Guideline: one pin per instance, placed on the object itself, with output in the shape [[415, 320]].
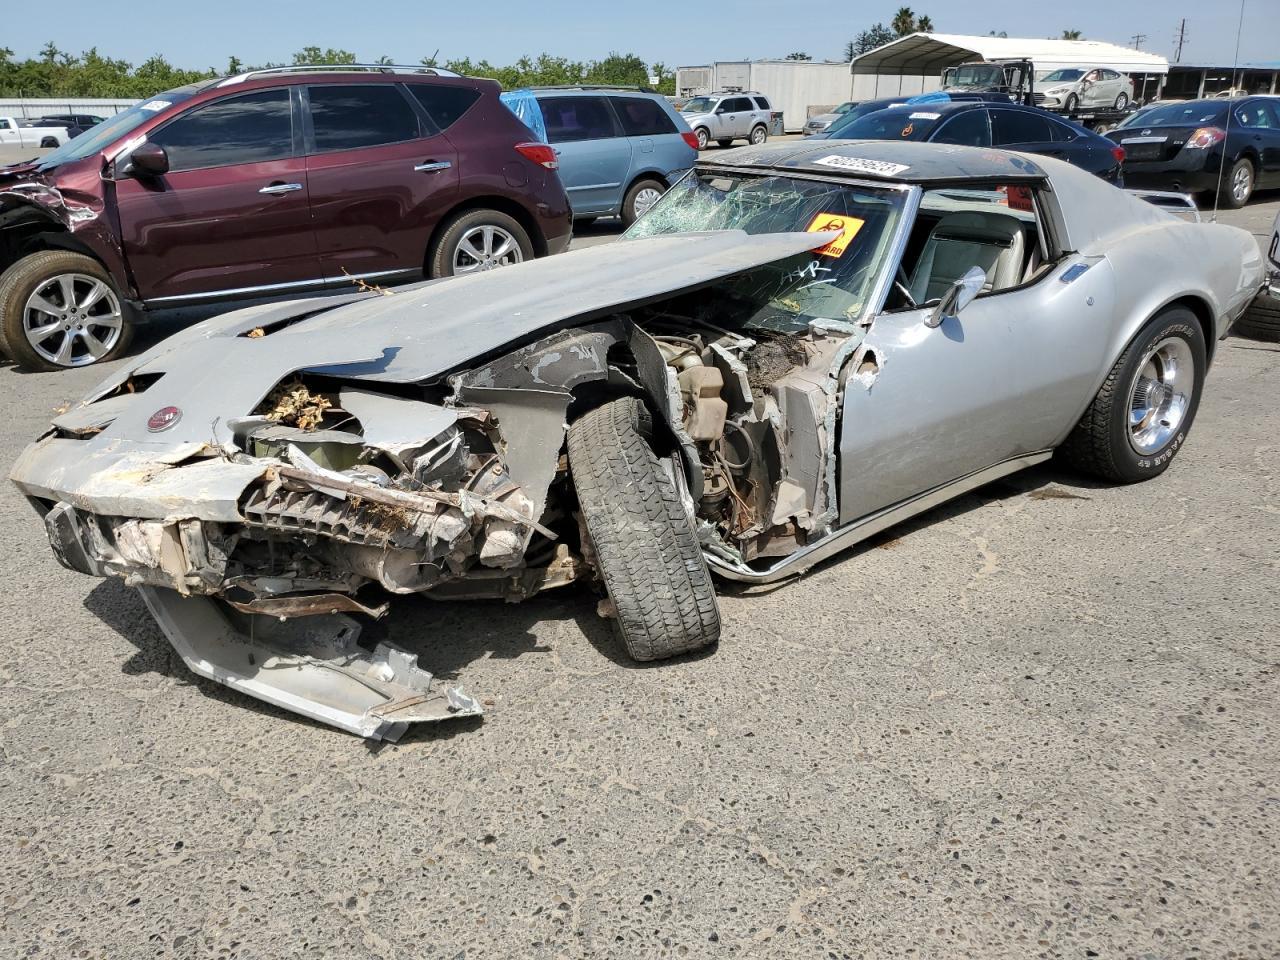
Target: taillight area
[[1204, 138], [1118, 153], [691, 139], [539, 153]]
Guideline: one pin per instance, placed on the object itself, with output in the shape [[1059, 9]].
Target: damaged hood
[[215, 371]]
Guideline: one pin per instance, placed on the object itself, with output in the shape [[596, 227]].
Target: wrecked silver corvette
[[772, 366]]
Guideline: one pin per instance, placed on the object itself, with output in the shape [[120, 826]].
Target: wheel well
[[24, 231], [1204, 316], [503, 205]]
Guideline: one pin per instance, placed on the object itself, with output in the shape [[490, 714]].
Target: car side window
[[1063, 132], [761, 103], [251, 128], [360, 115], [577, 118], [444, 105], [642, 117], [4, 125], [970, 128], [1009, 127], [1254, 115]]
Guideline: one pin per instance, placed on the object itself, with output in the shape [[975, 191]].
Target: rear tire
[[450, 258], [1262, 320], [1110, 441], [645, 548], [759, 134], [47, 142], [1122, 101], [724, 144], [105, 325], [640, 198], [1238, 188]]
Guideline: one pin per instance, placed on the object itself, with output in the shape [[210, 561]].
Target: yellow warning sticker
[[825, 222]]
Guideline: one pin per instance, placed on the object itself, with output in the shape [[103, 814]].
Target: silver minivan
[[726, 117]]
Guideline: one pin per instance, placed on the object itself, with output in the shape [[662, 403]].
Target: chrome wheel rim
[[1241, 182], [702, 139], [645, 199], [757, 135], [1161, 395], [485, 247], [72, 320]]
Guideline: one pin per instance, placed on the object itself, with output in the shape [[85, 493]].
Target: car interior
[[996, 230]]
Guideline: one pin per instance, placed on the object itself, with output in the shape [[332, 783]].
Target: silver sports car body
[[799, 345]]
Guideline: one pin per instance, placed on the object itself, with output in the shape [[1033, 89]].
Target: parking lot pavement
[[1039, 721]]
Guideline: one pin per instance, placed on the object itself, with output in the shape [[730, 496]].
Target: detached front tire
[[1140, 417], [644, 543], [1262, 320], [60, 309]]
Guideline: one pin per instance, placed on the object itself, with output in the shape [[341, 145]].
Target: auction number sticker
[[883, 167], [827, 222]]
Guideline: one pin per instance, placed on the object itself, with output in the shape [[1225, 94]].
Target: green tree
[[877, 35], [904, 21], [798, 55], [316, 55], [924, 24], [1072, 35], [664, 77], [624, 70]]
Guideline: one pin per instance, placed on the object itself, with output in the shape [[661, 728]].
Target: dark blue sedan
[[987, 124]]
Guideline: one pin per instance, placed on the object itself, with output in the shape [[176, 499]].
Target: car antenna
[[1226, 133]]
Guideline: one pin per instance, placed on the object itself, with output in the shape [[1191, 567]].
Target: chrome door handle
[[431, 166], [276, 188]]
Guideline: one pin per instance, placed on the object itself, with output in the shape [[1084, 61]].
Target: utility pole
[[1182, 38], [1137, 39]]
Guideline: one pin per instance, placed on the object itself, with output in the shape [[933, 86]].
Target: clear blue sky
[[204, 34]]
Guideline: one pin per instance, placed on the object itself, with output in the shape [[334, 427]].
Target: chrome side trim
[[273, 288], [870, 525]]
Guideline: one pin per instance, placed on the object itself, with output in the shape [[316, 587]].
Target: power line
[[1182, 38]]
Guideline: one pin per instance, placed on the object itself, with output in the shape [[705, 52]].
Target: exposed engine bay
[[463, 489]]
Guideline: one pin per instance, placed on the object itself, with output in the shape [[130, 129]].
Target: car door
[[8, 132], [971, 128], [380, 178], [653, 135], [737, 117], [231, 213], [1025, 130], [1004, 378], [1262, 120], [594, 155]]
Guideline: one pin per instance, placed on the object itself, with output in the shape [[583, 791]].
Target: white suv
[[726, 117]]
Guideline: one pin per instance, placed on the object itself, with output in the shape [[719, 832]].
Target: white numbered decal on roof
[[882, 167], [925, 116], [156, 105]]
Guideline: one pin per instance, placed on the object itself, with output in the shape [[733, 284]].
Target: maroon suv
[[269, 183]]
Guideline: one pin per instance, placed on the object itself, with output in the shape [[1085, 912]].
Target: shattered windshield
[[699, 105], [112, 129], [835, 282]]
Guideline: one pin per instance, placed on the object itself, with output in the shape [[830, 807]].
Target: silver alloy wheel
[[1160, 395], [485, 247], [757, 135], [1242, 183], [703, 138], [645, 199], [72, 320]]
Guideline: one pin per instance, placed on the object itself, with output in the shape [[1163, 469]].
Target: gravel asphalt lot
[[1039, 721]]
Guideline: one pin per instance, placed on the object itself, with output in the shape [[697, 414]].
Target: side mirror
[[148, 160], [958, 296]]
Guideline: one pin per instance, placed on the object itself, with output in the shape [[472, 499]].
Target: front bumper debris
[[311, 665]]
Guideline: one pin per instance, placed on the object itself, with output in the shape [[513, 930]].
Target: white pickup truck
[[13, 135]]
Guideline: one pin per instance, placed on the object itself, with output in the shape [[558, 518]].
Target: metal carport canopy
[[926, 53]]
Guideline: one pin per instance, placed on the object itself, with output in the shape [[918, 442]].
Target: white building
[[795, 87], [914, 63]]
